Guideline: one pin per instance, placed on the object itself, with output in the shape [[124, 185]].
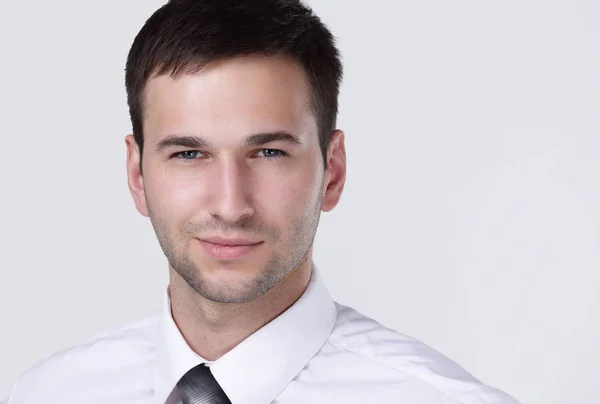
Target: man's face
[[253, 180]]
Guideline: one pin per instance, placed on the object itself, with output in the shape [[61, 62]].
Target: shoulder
[[107, 356], [407, 359]]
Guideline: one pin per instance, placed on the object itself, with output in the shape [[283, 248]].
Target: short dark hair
[[184, 35]]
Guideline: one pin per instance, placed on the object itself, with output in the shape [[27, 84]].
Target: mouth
[[228, 249]]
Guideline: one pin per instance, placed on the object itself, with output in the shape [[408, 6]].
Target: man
[[233, 156]]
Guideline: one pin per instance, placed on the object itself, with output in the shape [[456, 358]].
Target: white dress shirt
[[317, 351]]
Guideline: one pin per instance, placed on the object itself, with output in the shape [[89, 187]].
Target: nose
[[231, 200]]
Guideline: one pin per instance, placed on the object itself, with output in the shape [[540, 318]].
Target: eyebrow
[[198, 142]]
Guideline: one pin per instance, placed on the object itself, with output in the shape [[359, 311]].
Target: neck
[[212, 329]]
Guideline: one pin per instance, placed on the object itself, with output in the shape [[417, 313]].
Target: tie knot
[[199, 386]]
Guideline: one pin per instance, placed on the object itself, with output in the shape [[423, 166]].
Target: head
[[233, 107]]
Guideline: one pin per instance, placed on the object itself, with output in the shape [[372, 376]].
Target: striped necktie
[[199, 386]]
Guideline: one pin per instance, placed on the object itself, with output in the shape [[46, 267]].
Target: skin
[[230, 188]]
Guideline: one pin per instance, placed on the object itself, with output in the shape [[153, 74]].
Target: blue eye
[[190, 155], [187, 155], [272, 153]]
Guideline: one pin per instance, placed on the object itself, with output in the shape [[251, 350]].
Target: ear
[[335, 176], [134, 175]]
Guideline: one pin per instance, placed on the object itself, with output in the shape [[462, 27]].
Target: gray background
[[470, 218]]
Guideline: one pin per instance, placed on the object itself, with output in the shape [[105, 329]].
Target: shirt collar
[[262, 365]]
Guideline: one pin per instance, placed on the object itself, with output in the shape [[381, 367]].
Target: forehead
[[233, 96]]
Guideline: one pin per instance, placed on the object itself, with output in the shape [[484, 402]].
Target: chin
[[232, 292], [232, 282]]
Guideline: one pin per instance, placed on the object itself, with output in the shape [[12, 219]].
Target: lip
[[232, 241], [228, 248]]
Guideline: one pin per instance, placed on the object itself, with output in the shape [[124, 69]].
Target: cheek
[[174, 198], [287, 198]]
